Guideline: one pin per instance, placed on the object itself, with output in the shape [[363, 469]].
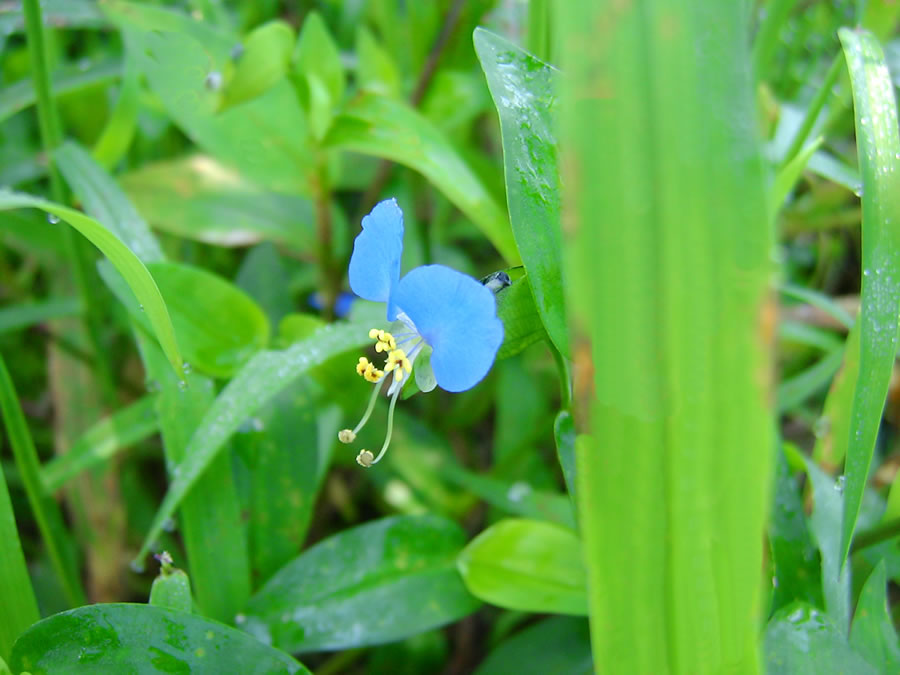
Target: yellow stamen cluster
[[365, 458], [368, 370], [384, 342], [397, 362]]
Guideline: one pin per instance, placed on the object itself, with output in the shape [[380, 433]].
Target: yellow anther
[[365, 458], [398, 374], [372, 374], [373, 334], [346, 436], [362, 365]]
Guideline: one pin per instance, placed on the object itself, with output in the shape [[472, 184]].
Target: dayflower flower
[[446, 320]]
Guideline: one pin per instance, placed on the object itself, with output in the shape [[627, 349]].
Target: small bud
[[365, 458], [346, 436]]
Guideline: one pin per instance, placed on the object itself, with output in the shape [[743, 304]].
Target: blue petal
[[457, 316], [375, 263]]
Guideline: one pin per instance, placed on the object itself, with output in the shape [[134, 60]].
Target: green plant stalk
[[539, 35], [51, 136], [766, 42], [669, 252], [19, 605], [565, 377], [815, 107], [45, 510], [329, 279]]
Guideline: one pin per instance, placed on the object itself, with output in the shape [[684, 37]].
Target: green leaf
[[20, 608], [21, 95], [878, 148], [828, 498], [522, 325], [121, 126], [375, 69], [125, 427], [802, 640], [528, 565], [264, 139], [116, 638], [124, 260], [218, 326], [796, 573], [383, 127], [45, 510], [171, 589], [668, 276], [517, 498], [872, 633], [62, 13], [259, 381], [561, 644], [262, 63], [371, 584], [564, 433], [317, 54], [263, 276], [21, 316], [104, 200], [525, 94], [286, 448], [198, 198], [833, 427]]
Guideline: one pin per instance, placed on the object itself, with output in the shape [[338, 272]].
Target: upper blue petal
[[457, 316], [375, 263]]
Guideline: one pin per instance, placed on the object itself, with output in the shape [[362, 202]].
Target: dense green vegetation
[[660, 435]]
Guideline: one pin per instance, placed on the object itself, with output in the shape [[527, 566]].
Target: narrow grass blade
[[21, 95], [46, 512], [119, 131], [669, 255], [105, 201], [210, 516], [795, 390], [128, 264], [19, 605], [872, 633], [878, 149], [21, 316], [259, 381], [125, 427]]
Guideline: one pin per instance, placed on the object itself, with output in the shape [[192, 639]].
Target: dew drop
[[240, 618], [182, 385], [839, 484], [186, 368], [52, 218], [137, 566], [168, 525], [141, 307]]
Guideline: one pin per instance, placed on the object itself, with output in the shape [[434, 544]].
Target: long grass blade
[[19, 604], [878, 149], [670, 257], [45, 510]]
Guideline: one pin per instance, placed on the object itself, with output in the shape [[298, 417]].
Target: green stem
[[51, 136], [539, 29], [883, 532], [329, 281], [815, 107], [565, 378]]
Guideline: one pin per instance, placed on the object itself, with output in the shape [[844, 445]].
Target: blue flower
[[448, 319]]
